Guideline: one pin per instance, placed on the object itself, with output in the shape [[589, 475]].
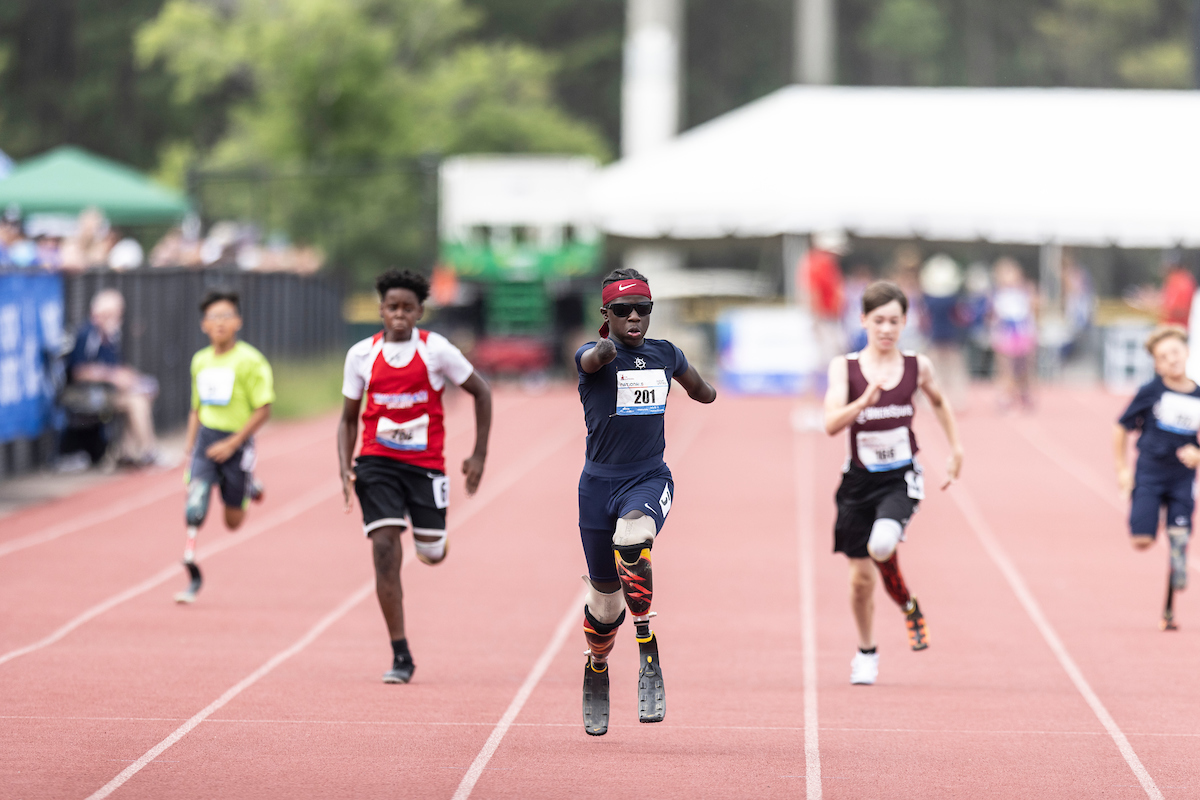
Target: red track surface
[[288, 621]]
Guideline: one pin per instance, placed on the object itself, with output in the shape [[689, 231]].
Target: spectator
[[125, 252], [821, 275], [1014, 333], [1175, 304], [905, 273], [859, 278], [941, 280], [97, 358]]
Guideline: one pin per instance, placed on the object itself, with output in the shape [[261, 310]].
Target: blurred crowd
[[90, 241], [981, 318]]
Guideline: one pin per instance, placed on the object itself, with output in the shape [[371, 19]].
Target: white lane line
[[565, 626], [1079, 470], [1000, 558], [497, 488], [803, 460], [239, 687], [174, 572], [172, 486]]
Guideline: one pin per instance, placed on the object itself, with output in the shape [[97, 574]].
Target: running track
[[1047, 676]]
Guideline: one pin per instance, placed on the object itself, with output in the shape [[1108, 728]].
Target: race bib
[[880, 451], [641, 392], [1178, 413], [441, 490], [408, 436], [215, 386]]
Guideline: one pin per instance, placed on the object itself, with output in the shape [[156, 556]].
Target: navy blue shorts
[[233, 476], [1151, 492], [602, 501]]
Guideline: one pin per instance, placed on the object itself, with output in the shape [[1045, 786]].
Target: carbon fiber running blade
[[595, 700], [188, 595], [652, 694]]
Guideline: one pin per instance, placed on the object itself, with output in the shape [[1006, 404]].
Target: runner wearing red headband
[[626, 490]]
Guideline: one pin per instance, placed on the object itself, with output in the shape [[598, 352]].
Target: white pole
[[814, 58], [650, 88]]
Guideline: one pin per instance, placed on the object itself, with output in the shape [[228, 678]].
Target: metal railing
[[285, 315]]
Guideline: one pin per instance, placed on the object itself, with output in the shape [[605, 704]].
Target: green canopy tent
[[68, 180]]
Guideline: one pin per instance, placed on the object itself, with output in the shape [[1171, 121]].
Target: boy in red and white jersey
[[401, 470]]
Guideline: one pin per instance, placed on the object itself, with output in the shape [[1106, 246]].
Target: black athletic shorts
[[388, 490], [866, 496], [233, 475]]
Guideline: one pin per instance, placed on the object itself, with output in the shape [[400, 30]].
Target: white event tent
[[1036, 166]]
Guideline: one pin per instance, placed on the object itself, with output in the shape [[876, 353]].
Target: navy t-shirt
[[1167, 420], [623, 405], [93, 347]]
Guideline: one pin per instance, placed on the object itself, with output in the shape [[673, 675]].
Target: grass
[[306, 388]]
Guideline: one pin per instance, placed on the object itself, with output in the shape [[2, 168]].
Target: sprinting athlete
[[232, 393], [401, 471], [1166, 412], [871, 392], [626, 490]]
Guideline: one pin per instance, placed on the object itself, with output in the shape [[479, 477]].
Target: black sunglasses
[[623, 309]]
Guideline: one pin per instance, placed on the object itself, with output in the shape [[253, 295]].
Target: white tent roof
[[1086, 167]]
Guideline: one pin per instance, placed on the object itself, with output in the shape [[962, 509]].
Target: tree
[[344, 94]]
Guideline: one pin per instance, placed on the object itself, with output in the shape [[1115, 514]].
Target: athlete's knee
[[234, 517], [862, 575], [385, 549], [607, 608], [197, 502], [633, 534], [1141, 541], [430, 544], [885, 537]]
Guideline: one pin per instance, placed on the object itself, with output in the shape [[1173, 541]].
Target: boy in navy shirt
[[1166, 412], [626, 489]]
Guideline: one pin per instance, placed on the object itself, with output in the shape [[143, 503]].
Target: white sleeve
[[354, 380], [448, 359]]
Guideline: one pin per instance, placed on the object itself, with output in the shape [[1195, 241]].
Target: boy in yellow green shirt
[[232, 392]]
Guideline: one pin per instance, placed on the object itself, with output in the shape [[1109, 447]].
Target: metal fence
[[286, 316]]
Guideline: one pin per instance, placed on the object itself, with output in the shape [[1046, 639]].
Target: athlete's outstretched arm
[[838, 411], [347, 437], [603, 353], [473, 466], [927, 381], [697, 388]]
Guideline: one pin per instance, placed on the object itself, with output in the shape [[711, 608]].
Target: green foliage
[[307, 388], [338, 93], [912, 33]]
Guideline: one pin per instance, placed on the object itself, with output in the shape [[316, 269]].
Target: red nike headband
[[625, 288]]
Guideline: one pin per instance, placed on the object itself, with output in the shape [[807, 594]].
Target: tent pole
[[814, 47]]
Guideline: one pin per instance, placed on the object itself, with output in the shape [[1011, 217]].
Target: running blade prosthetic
[[652, 695], [918, 634], [188, 595], [595, 699]]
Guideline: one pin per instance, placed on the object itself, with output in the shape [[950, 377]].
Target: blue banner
[[31, 315]]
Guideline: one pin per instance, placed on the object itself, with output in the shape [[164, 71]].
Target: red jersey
[[881, 437], [1177, 292], [403, 417]]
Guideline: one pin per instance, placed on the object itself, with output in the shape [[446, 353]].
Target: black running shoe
[[652, 695], [401, 671], [595, 699], [918, 634], [1167, 623]]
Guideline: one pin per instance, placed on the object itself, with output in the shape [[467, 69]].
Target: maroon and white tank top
[[881, 437]]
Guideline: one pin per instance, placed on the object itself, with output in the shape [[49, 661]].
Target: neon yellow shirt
[[228, 388]]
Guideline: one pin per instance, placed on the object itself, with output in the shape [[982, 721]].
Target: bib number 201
[[641, 392]]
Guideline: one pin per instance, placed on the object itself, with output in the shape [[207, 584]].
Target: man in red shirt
[[400, 471], [1178, 289], [821, 275]]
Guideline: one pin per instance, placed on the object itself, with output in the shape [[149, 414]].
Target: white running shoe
[[864, 668]]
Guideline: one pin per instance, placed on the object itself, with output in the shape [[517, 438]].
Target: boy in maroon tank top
[[871, 393], [400, 474]]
